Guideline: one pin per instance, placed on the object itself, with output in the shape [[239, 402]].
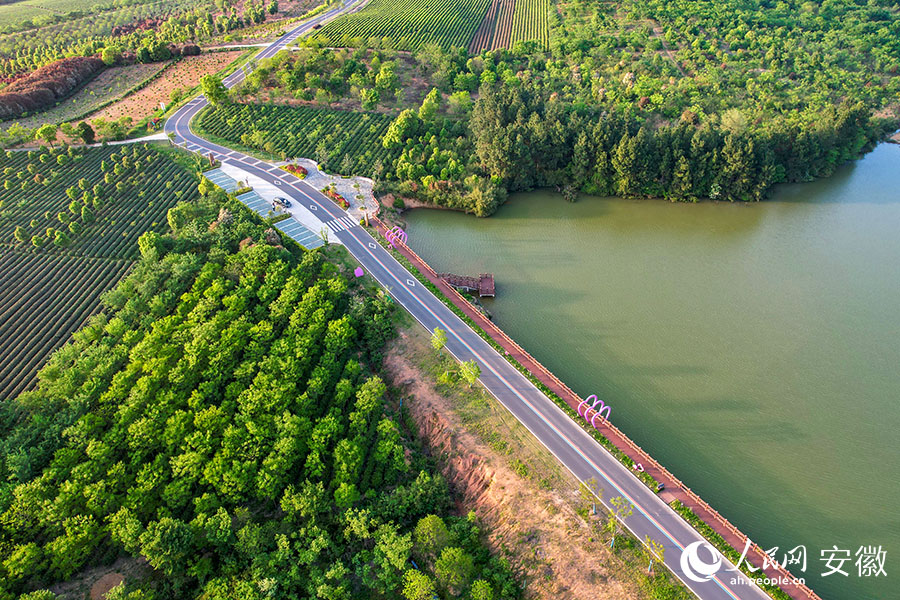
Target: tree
[[417, 586], [481, 590], [653, 551], [438, 339], [386, 80], [734, 121], [85, 132], [460, 102], [345, 495], [20, 234], [370, 98], [470, 372], [346, 165], [454, 569], [39, 595], [87, 215], [69, 551], [150, 244], [431, 535], [61, 239], [205, 187], [621, 510], [273, 7], [591, 492], [110, 55], [167, 543], [214, 90], [25, 561], [430, 106], [46, 132], [143, 55]]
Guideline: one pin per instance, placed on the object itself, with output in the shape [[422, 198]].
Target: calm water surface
[[752, 349]]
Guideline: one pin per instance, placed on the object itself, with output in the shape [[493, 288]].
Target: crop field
[[531, 22], [108, 85], [495, 29], [40, 45], [183, 75], [42, 301], [69, 224], [14, 14], [408, 24], [342, 142], [124, 194]]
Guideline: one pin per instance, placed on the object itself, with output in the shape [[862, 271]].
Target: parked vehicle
[[283, 202]]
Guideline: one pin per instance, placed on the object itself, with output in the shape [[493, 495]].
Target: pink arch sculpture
[[396, 235], [600, 409]]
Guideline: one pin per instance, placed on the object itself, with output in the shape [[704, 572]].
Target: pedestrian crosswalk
[[341, 224]]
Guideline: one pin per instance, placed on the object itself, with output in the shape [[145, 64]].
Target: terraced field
[[342, 142], [107, 86], [69, 225], [408, 24], [183, 75]]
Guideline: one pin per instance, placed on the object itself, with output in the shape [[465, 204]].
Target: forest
[[223, 418], [684, 102]]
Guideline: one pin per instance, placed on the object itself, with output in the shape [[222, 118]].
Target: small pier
[[483, 284]]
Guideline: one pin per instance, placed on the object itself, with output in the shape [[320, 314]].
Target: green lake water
[[753, 349]]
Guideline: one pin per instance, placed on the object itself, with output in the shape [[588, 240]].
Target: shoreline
[[675, 489]]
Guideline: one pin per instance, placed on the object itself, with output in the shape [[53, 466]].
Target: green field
[[531, 22], [79, 226], [12, 14], [47, 297], [408, 24], [341, 141]]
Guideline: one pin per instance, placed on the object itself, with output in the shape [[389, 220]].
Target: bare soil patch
[[96, 582], [551, 547], [183, 75]]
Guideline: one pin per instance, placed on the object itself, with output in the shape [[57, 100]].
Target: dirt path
[[657, 33], [551, 548]]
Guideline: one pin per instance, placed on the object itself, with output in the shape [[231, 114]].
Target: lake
[[753, 349]]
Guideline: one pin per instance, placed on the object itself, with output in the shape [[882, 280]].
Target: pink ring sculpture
[[600, 409], [396, 235]]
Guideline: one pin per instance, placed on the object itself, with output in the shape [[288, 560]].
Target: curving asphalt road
[[571, 445]]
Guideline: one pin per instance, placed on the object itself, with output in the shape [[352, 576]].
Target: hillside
[[223, 418]]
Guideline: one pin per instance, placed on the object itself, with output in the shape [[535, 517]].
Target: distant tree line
[[526, 140]]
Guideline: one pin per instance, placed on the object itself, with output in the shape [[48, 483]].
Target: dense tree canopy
[[222, 419]]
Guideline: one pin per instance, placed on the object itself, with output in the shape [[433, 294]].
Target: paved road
[[574, 448]]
